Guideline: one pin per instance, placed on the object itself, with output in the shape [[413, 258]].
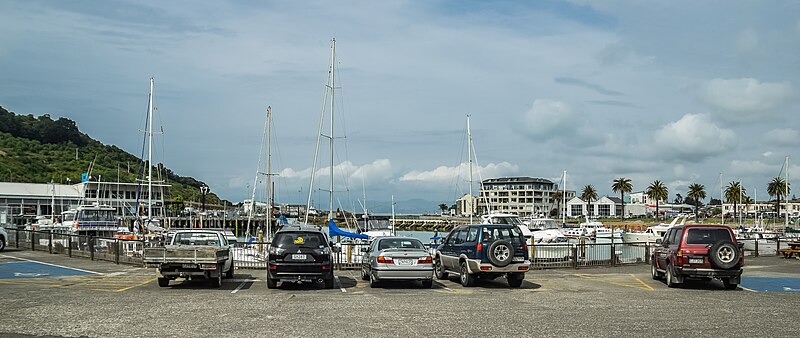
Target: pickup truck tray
[[186, 254]]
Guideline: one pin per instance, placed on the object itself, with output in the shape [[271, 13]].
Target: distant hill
[[40, 149]]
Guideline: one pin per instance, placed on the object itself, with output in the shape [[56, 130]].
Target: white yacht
[[546, 231], [593, 229], [652, 233]]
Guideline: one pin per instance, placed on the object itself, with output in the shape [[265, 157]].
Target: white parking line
[[241, 285], [340, 284], [56, 265], [746, 289]]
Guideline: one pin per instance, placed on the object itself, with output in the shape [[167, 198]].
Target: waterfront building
[[523, 196], [23, 202], [466, 205], [604, 207]]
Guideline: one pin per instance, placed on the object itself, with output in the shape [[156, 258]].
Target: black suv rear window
[[509, 234], [707, 236], [299, 239]]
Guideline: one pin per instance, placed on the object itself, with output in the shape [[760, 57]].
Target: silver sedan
[[397, 258]]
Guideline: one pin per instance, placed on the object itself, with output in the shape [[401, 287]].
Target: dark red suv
[[698, 251]]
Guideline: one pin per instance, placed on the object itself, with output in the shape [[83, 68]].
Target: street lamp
[[203, 191]]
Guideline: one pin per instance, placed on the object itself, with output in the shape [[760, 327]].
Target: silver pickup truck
[[192, 254]]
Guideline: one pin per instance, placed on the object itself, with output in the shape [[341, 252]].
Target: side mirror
[[364, 249], [658, 241]]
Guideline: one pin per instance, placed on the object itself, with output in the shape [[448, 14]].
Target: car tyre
[[2, 243], [364, 274], [229, 273], [656, 275], [515, 279], [670, 280], [373, 282], [329, 283], [439, 269], [729, 285], [724, 254], [217, 281], [163, 282], [467, 280], [427, 284], [272, 283], [500, 253]]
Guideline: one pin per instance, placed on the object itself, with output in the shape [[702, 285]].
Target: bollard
[[50, 242], [647, 253], [33, 241], [778, 246], [116, 250], [756, 253], [69, 245], [91, 247], [16, 240], [574, 257], [613, 255]]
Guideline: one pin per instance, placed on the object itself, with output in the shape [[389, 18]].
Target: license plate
[[519, 259], [299, 257], [189, 266], [405, 261], [695, 261]]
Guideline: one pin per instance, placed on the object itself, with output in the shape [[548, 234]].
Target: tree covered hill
[[40, 150]]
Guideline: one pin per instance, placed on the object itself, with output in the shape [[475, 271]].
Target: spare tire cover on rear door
[[724, 254], [500, 253]]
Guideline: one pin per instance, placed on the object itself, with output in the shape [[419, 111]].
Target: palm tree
[[589, 194], [778, 188], [557, 196], [698, 193], [622, 185], [443, 207], [733, 194], [657, 191]]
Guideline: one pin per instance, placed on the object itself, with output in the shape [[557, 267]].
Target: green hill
[[40, 150]]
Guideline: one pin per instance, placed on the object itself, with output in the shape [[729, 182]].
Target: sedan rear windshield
[[707, 236], [299, 239], [400, 243]]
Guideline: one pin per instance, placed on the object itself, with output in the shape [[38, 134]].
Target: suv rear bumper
[[299, 272], [476, 266], [709, 273]]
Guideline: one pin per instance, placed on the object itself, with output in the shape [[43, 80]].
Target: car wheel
[[373, 282], [427, 284], [728, 285], [329, 283], [515, 279], [217, 281], [229, 273], [2, 243], [656, 274], [500, 253], [466, 279], [724, 254], [671, 277], [439, 269], [163, 282], [364, 274], [272, 283]]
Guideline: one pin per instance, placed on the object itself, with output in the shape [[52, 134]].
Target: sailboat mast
[[786, 192], [333, 90], [150, 154], [469, 154], [564, 199], [269, 172]]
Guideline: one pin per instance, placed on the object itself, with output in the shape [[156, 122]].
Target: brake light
[[273, 267], [523, 268], [525, 246], [385, 260], [479, 247], [679, 260], [486, 268], [425, 260], [77, 224], [325, 267]]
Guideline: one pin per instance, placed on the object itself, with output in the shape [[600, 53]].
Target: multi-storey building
[[524, 196]]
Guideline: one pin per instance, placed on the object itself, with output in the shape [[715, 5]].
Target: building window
[[604, 210], [576, 210]]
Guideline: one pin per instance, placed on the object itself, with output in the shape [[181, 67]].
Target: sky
[[680, 91]]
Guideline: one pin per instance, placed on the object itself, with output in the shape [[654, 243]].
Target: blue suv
[[483, 251]]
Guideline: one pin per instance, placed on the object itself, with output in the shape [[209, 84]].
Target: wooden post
[[574, 257], [647, 253], [33, 240], [756, 253], [16, 238], [50, 242], [91, 247], [69, 245], [116, 250]]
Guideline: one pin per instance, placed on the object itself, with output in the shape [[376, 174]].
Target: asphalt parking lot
[[53, 295]]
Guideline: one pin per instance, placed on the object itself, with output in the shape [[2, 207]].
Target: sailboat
[[149, 223], [328, 101], [266, 136]]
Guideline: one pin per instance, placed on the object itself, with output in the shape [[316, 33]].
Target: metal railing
[[575, 255], [116, 250]]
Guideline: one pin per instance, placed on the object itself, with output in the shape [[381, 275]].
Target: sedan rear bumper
[[404, 274]]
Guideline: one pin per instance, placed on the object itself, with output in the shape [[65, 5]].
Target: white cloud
[[747, 42], [547, 118], [694, 137], [379, 171], [444, 174], [745, 99], [784, 137], [752, 168]]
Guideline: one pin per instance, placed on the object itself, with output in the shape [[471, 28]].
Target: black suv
[[300, 254], [484, 251], [698, 251]]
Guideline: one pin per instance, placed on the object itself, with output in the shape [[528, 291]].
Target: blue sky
[[678, 91]]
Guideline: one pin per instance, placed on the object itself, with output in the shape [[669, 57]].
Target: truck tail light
[[425, 260], [486, 268], [679, 260], [208, 266], [523, 268], [385, 260]]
